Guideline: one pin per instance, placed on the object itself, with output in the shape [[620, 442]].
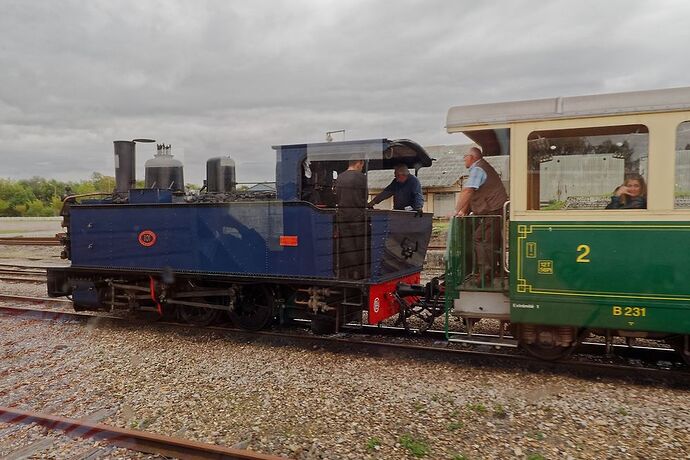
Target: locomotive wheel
[[198, 316], [254, 310], [548, 352], [545, 349], [148, 316]]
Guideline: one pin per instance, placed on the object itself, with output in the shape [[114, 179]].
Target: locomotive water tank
[[220, 174], [163, 171]]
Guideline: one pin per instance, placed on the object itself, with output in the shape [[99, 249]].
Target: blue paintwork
[[150, 195], [233, 238], [239, 238], [288, 170]]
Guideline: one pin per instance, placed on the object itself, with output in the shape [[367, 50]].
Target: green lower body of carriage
[[628, 279]]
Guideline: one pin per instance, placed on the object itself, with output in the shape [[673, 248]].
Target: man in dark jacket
[[483, 194], [405, 189], [351, 198]]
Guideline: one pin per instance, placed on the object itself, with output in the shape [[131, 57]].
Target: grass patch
[[479, 408], [459, 457], [417, 448], [538, 435], [454, 426], [535, 456], [373, 443], [141, 424], [500, 411], [440, 225]]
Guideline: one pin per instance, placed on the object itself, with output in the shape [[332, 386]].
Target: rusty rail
[[30, 241], [140, 441]]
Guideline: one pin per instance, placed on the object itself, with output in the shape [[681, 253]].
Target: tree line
[[39, 197]]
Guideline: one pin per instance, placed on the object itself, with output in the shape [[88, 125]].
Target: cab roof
[[380, 153], [671, 99]]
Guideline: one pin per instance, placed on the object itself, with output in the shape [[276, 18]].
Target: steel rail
[[438, 351], [9, 271], [32, 299], [34, 280], [140, 441], [30, 241], [436, 247]]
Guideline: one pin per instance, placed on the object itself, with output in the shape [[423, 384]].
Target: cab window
[[584, 168]]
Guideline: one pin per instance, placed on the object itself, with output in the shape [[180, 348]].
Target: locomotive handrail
[[504, 252], [80, 195]]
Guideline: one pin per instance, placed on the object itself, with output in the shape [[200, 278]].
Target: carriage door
[[477, 272]]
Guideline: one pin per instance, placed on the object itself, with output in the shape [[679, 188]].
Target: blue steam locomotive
[[255, 255]]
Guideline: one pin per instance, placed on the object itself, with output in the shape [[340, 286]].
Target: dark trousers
[[487, 241], [351, 241]]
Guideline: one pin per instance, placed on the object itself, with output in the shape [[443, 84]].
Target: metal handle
[[503, 234]]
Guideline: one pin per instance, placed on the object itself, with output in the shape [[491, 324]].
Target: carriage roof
[[660, 100]]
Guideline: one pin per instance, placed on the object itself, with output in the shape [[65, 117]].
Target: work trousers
[[487, 242]]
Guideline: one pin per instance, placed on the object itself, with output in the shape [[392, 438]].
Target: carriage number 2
[[629, 311], [583, 249]]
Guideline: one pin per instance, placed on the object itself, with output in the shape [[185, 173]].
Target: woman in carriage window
[[631, 195]]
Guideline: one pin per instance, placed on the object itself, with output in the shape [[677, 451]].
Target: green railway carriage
[[567, 265]]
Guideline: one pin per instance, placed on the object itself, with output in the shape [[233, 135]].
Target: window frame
[[661, 168], [581, 132]]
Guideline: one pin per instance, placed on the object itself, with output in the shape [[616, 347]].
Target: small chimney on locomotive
[[125, 166], [220, 175], [163, 171]]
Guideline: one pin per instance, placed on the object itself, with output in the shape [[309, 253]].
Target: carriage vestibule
[[581, 168]]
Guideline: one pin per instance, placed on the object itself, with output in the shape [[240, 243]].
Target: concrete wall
[[579, 175]]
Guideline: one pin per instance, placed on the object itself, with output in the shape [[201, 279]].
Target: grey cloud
[[219, 77]]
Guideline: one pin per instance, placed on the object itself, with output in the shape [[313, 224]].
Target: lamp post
[[329, 134]]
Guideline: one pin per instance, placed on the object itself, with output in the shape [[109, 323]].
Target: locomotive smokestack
[[220, 175], [125, 166]]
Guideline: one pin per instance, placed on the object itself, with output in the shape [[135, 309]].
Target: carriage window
[[682, 189], [588, 168]]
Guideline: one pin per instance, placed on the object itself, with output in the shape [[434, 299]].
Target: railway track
[[36, 275], [652, 365], [30, 241], [436, 247], [139, 441], [22, 278]]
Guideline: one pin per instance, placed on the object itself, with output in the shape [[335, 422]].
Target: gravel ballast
[[310, 403]]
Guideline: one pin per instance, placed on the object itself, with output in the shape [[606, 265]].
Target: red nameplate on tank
[[288, 240]]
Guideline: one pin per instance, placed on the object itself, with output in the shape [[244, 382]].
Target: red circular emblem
[[147, 238]]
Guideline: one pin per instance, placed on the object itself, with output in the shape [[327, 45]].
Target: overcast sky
[[235, 77]]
